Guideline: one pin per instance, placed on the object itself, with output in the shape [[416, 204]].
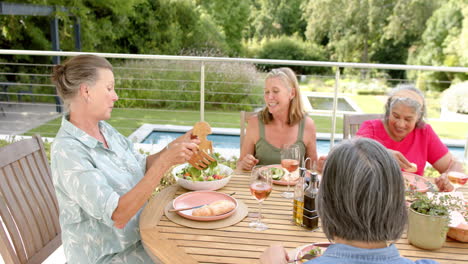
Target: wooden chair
[[28, 205], [352, 122], [244, 116]]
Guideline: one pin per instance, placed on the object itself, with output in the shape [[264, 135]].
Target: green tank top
[[268, 154]]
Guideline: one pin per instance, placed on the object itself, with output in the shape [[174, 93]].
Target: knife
[[193, 207]]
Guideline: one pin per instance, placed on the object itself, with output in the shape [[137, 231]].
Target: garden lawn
[[128, 120]]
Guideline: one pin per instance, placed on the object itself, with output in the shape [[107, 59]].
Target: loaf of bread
[[215, 208]]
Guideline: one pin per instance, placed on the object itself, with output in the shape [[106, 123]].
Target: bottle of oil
[[310, 217], [298, 204]]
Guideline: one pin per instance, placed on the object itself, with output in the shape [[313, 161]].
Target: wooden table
[[172, 243]]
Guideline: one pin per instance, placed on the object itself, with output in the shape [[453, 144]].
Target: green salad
[[276, 173], [211, 173]]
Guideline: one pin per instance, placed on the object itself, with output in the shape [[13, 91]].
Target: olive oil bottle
[[298, 203], [310, 217]]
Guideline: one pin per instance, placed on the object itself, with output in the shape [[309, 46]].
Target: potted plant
[[428, 219]]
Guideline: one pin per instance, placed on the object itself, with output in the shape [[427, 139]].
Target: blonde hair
[[75, 71], [296, 110]]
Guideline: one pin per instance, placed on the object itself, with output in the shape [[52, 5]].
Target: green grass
[[128, 120], [369, 103]]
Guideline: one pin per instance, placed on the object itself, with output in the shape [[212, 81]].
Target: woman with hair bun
[[101, 181]]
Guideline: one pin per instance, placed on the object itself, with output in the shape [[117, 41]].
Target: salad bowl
[[211, 179]]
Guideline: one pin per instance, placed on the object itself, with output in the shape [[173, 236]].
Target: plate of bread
[[205, 205]]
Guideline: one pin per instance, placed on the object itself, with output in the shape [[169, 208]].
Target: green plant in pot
[[428, 219]]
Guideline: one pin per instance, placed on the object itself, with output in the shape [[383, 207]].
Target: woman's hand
[[321, 163], [400, 158], [443, 183], [275, 254], [247, 163], [178, 153]]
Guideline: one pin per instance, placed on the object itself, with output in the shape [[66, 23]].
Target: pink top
[[419, 146]]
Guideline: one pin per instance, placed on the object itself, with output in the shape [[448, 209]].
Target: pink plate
[[280, 182], [196, 198], [305, 249], [417, 183]]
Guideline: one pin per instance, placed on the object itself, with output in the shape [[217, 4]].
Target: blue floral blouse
[[89, 180]]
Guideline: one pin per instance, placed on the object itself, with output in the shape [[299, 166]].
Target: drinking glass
[[290, 161], [260, 188], [457, 173]]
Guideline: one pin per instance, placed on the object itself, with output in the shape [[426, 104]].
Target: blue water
[[233, 141]]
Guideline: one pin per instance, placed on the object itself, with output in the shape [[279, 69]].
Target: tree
[[443, 44], [231, 17], [273, 18], [350, 29]]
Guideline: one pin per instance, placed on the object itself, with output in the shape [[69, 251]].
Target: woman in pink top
[[404, 132]]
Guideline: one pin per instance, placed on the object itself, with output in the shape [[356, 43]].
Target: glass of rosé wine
[[260, 188], [457, 173], [290, 161]]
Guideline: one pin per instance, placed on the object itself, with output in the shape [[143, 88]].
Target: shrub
[[454, 98], [292, 48], [176, 85]]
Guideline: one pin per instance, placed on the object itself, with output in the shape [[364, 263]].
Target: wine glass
[[457, 173], [290, 161], [260, 188]]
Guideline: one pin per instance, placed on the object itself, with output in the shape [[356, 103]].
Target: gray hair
[[416, 106], [68, 76], [362, 196]]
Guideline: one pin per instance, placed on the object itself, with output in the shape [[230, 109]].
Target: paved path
[[18, 118]]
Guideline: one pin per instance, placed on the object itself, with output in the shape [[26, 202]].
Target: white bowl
[[203, 185]]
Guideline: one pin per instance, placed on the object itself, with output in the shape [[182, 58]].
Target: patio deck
[[238, 243]]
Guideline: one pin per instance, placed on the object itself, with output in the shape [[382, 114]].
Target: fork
[[201, 160]]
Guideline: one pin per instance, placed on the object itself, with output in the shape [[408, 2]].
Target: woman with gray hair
[[361, 204], [404, 132]]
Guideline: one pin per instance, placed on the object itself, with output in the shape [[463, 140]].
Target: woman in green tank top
[[282, 121]]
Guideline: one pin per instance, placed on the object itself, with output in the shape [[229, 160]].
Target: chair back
[[352, 122], [244, 116], [30, 231]]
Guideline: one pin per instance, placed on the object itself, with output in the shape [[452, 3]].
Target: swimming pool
[[228, 145]]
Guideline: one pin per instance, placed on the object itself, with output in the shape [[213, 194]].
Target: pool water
[[326, 103], [230, 143], [219, 141]]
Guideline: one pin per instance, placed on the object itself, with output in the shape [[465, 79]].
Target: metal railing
[[27, 83]]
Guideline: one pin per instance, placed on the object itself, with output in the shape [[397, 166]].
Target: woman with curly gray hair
[[361, 204], [404, 132]]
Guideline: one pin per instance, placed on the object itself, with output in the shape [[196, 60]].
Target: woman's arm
[[157, 166], [275, 254], [310, 140], [247, 160], [442, 166]]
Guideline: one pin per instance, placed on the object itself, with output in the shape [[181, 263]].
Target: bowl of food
[[417, 183], [212, 178], [310, 251]]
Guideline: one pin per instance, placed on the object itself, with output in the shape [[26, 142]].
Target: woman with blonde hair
[[282, 121]]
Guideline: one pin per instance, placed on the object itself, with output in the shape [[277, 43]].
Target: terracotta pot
[[427, 231]]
